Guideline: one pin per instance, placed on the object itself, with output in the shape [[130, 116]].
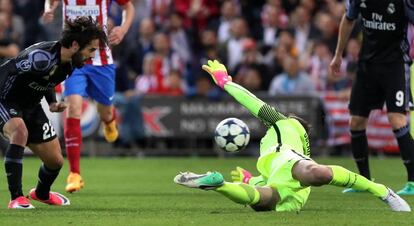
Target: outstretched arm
[[267, 114]]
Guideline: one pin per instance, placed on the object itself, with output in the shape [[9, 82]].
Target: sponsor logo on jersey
[[73, 11], [36, 86], [377, 23]]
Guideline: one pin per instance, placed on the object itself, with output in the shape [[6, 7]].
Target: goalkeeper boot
[[407, 190], [55, 198], [208, 181], [110, 131], [20, 202], [395, 202], [74, 182]]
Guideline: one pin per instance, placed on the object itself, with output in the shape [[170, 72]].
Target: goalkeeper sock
[[240, 193], [342, 177]]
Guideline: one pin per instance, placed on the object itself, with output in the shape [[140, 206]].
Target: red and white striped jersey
[[99, 10]]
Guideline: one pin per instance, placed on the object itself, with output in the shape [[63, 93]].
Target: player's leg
[[14, 128], [260, 198], [74, 90], [51, 155], [309, 173], [102, 89], [397, 96], [359, 144], [42, 140], [362, 98], [406, 145], [108, 117]]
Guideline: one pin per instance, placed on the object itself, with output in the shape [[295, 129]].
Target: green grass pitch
[[126, 191]]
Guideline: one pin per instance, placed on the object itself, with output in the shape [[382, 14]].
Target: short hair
[[306, 125], [82, 30]]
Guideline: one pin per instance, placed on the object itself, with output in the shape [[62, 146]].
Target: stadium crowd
[[280, 47]]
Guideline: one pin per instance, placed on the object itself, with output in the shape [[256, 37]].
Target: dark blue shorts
[[376, 84]]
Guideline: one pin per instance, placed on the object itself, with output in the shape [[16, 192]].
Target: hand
[[48, 15], [240, 175], [57, 107], [116, 36], [218, 72], [335, 65]]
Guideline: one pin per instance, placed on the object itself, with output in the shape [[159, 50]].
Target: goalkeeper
[[286, 169]]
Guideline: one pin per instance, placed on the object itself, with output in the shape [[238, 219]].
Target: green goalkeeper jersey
[[284, 143], [280, 129]]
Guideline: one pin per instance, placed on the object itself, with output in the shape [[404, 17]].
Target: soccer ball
[[232, 135]]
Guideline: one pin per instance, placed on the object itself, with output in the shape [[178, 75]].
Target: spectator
[[16, 25], [179, 38], [174, 84], [8, 48], [318, 67], [232, 50], [160, 10], [253, 80], [133, 53], [229, 11], [292, 80], [305, 31], [326, 24], [271, 26], [196, 13], [252, 60], [166, 58], [274, 60]]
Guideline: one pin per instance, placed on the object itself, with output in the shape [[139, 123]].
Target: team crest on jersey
[[24, 65], [391, 8], [363, 4]]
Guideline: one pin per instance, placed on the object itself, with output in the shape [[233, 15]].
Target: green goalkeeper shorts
[[277, 167]]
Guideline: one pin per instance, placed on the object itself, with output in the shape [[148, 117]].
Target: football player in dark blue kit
[[24, 81], [382, 76]]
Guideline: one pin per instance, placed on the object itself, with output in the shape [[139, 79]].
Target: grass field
[[141, 192]]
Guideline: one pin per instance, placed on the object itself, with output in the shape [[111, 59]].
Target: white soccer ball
[[232, 135]]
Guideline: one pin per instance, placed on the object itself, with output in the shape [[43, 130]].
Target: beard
[[77, 60]]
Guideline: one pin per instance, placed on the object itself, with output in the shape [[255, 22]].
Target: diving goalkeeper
[[285, 167]]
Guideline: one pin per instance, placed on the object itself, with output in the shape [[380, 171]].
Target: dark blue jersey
[[384, 27], [33, 74]]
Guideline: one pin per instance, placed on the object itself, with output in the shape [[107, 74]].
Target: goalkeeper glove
[[218, 72], [240, 175]]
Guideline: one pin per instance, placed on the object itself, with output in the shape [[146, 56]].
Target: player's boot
[[207, 181], [74, 182], [20, 202], [407, 190], [55, 198], [351, 190], [395, 202], [110, 131]]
